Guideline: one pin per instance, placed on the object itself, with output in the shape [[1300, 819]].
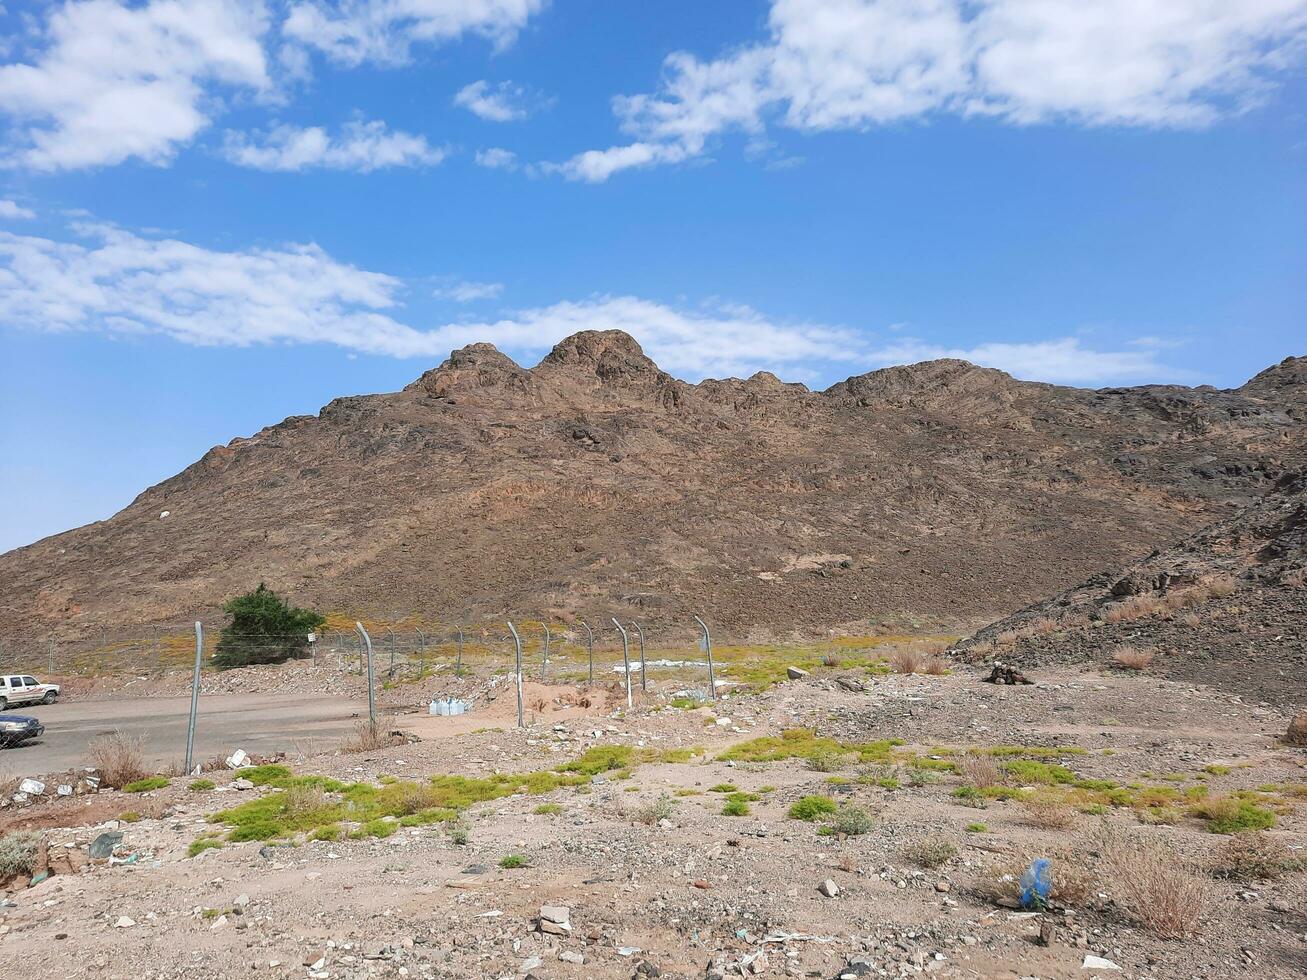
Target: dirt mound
[[1226, 606], [595, 484]]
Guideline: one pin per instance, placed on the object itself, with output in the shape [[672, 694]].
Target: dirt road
[[259, 724]]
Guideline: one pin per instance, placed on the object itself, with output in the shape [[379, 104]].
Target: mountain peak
[[479, 365], [612, 355]]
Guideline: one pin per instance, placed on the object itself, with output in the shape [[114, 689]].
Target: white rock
[[33, 786], [829, 888], [125, 922], [238, 759], [1097, 963]]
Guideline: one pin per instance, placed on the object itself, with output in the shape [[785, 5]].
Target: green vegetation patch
[[201, 785], [812, 808], [803, 743], [145, 785], [202, 844], [511, 861]]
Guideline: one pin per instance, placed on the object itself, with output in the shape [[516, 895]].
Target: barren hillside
[[1226, 606], [595, 483]]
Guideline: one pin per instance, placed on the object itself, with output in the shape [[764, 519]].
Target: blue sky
[[217, 214]]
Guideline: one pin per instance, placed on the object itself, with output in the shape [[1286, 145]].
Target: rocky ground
[[626, 865]]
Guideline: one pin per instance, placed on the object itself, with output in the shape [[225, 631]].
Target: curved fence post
[[517, 643], [590, 645], [644, 681], [544, 664], [372, 694], [707, 648], [195, 694], [626, 660]]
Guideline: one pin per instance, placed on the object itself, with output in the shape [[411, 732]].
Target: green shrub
[[511, 861], [459, 833], [548, 809], [811, 808], [1228, 815], [930, 853], [201, 845], [145, 785], [201, 785], [851, 821], [131, 816], [735, 808], [264, 630], [723, 788], [326, 832], [18, 853], [977, 828], [970, 796]]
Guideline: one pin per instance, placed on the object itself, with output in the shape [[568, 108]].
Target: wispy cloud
[[469, 292], [361, 146], [505, 102], [352, 32], [111, 280], [11, 210], [857, 64], [496, 158]]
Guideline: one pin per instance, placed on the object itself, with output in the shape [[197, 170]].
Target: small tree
[[264, 630]]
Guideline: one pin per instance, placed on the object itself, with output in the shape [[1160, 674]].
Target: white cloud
[[1061, 361], [855, 64], [112, 81], [469, 292], [361, 146], [11, 210], [352, 32], [504, 102], [114, 281], [497, 158]]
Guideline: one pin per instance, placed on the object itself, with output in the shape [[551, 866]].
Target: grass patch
[[812, 808], [201, 845], [512, 861], [803, 743], [1231, 815], [723, 788], [548, 809], [976, 828], [201, 785], [735, 808], [146, 785]]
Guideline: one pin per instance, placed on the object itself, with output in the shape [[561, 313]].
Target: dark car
[[16, 729]]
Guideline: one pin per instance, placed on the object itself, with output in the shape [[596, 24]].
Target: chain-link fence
[[560, 652]]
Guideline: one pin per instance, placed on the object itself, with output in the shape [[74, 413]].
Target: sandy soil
[[700, 894]]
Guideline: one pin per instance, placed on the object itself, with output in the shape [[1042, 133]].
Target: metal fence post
[[391, 631], [195, 694], [372, 694], [158, 666], [50, 653], [644, 683], [458, 656], [422, 656], [626, 660], [707, 648], [544, 664], [590, 644], [517, 643]]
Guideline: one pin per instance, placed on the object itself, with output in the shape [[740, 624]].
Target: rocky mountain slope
[[595, 483], [1226, 606]]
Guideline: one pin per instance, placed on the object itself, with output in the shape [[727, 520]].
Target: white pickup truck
[[24, 689]]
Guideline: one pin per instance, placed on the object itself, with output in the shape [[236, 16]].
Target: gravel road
[[258, 723]]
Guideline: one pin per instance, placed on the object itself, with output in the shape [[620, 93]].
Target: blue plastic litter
[[1036, 884]]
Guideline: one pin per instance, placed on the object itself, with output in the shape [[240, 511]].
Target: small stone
[[943, 887], [530, 963], [571, 956], [124, 922], [241, 901], [829, 888], [241, 784], [1097, 963], [795, 673]]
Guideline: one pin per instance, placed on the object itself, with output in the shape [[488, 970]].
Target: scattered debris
[[1006, 675]]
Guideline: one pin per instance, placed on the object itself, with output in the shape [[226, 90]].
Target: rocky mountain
[[594, 483], [1226, 606]]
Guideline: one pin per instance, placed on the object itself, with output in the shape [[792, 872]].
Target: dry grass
[[1219, 588], [905, 661], [934, 666], [980, 771], [1048, 815], [302, 801], [1150, 879], [1254, 856], [931, 852], [368, 737], [119, 758], [1136, 607], [1132, 658], [1294, 578]]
